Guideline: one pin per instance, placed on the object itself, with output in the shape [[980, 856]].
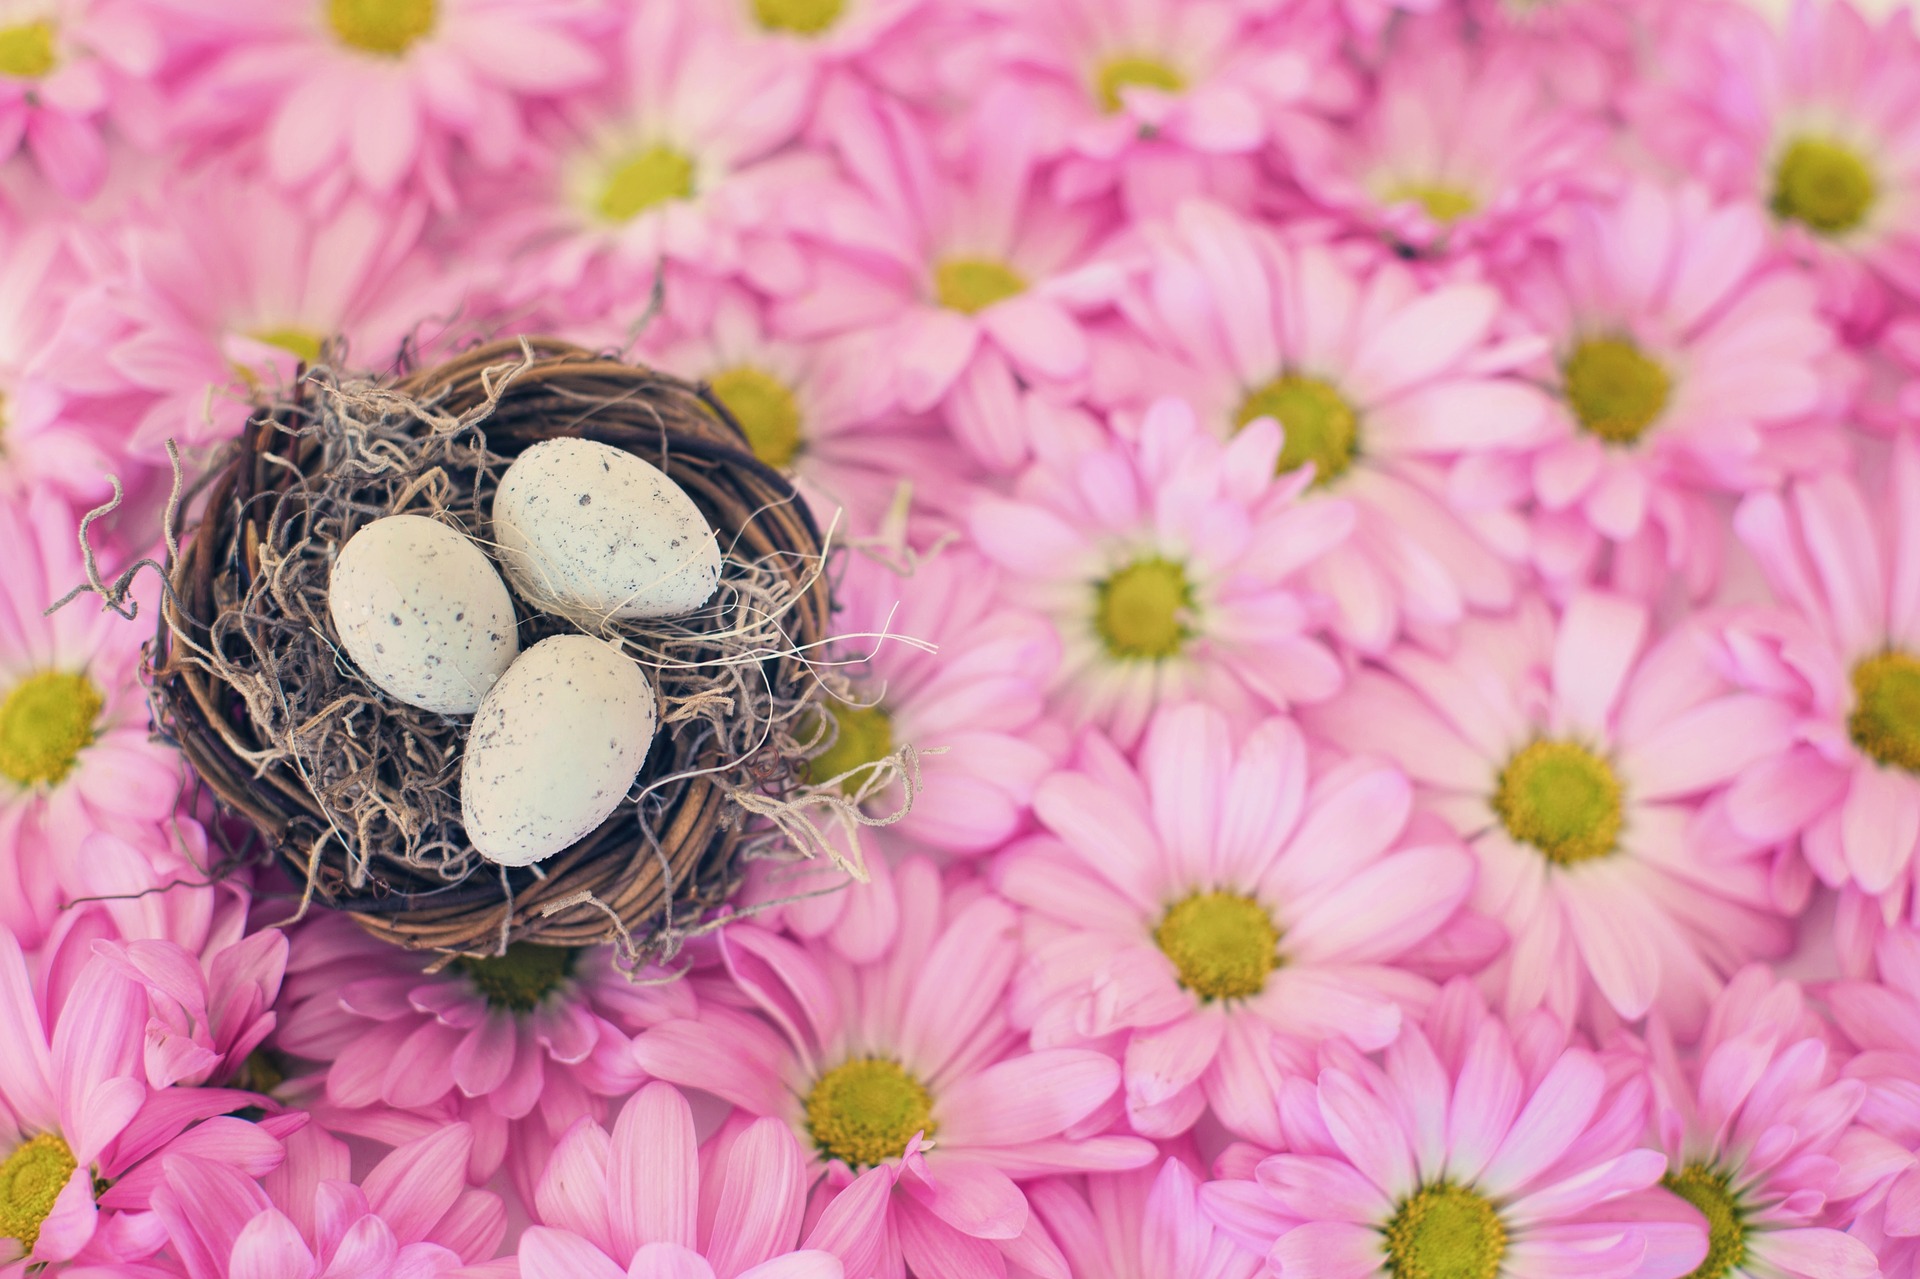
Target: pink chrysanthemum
[[907, 1064], [1475, 1151], [1586, 769], [1386, 387], [1881, 1018], [1170, 566], [1198, 914], [1846, 664], [376, 93], [1687, 358], [828, 31], [1586, 49], [640, 1194], [206, 1014], [75, 753], [1143, 1224], [1820, 122], [61, 63]]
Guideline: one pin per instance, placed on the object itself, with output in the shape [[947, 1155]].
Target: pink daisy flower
[[1585, 769], [909, 1064], [1472, 1150], [828, 31], [1396, 393], [1751, 1120], [75, 752], [1170, 567], [206, 1014], [1586, 49], [84, 1139], [1687, 358], [377, 95], [1197, 914], [412, 1216], [1881, 1018], [62, 63], [640, 1193], [1846, 665], [1820, 122], [1144, 1224]]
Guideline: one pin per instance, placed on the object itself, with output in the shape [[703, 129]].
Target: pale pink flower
[[1401, 392], [1687, 359], [825, 31], [380, 96], [1471, 1149], [1881, 1018], [1143, 1224], [1586, 768], [1843, 559], [908, 1064], [206, 1013], [1203, 913], [1171, 568], [76, 756], [1586, 49], [644, 1201], [64, 63], [1754, 1122], [412, 1216]]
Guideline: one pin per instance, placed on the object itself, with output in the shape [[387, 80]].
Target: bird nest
[[359, 793]]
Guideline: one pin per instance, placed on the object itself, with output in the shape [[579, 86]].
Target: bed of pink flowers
[[1419, 506]]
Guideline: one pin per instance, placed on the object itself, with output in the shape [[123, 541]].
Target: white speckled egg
[[422, 613], [554, 749], [590, 531]]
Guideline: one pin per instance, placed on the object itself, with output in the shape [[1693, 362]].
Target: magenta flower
[[639, 1194], [1172, 568], [1472, 1150], [62, 65], [1143, 1224], [907, 1064], [1584, 768], [1211, 912], [1396, 394]]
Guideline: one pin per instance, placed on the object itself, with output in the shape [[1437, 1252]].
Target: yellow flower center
[[971, 285], [26, 50], [863, 736], [1140, 611], [30, 1180], [1319, 425], [866, 1111], [386, 27], [1615, 389], [1222, 944], [1885, 723], [1130, 70], [765, 409], [46, 721], [1562, 799], [1444, 203], [1445, 1232], [520, 979], [304, 344], [1709, 1190], [802, 17], [645, 179], [1823, 183]]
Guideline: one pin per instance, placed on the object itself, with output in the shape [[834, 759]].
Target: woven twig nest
[[359, 794]]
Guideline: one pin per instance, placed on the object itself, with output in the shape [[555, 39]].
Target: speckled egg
[[554, 749], [422, 612], [590, 531]]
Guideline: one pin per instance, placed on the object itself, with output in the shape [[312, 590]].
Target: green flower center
[[26, 50], [1222, 944], [1824, 184], [1140, 611], [385, 27], [864, 736], [1709, 1190], [802, 17], [1445, 1232], [971, 285], [520, 979], [765, 409], [46, 721], [304, 344], [1885, 723], [1445, 204], [1562, 799], [866, 1111], [1133, 70], [1319, 425], [30, 1180], [645, 179], [1616, 391]]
